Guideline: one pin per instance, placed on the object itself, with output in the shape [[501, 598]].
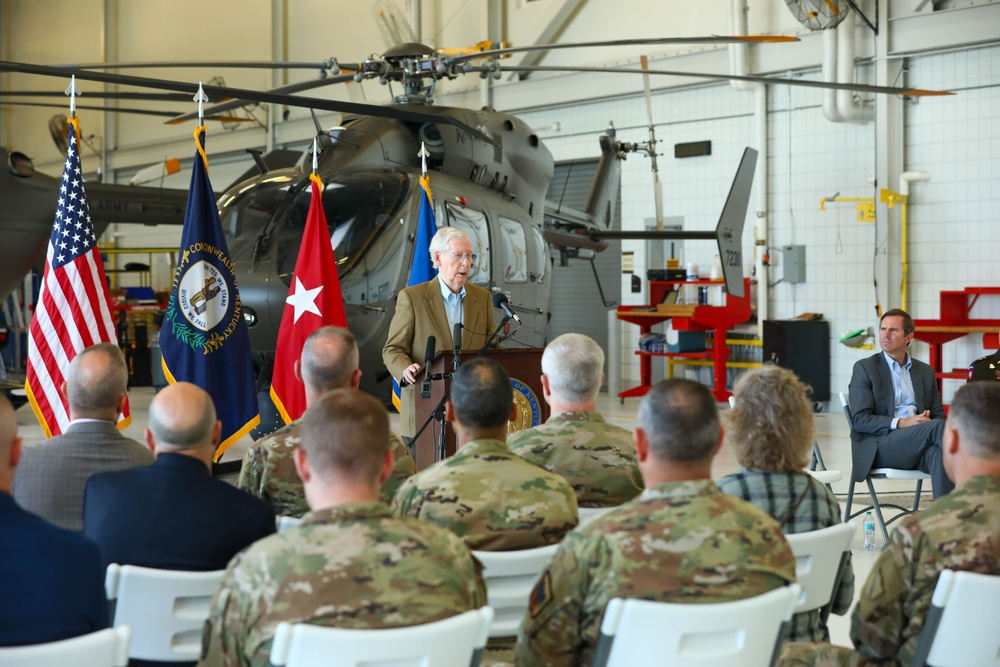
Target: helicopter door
[[474, 223]]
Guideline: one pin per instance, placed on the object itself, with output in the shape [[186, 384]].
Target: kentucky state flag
[[204, 339], [422, 269]]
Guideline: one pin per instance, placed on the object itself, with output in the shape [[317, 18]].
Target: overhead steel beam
[[548, 34]]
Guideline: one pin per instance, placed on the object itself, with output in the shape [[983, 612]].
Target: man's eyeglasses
[[471, 258]]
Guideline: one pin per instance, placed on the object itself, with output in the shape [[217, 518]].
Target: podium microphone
[[425, 388], [456, 337], [500, 301]]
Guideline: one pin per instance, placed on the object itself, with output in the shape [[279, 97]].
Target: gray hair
[[329, 357], [441, 242], [574, 363], [974, 414], [97, 379], [681, 420]]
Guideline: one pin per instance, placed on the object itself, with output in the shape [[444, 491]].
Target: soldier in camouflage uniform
[[491, 498], [595, 457], [959, 531], [349, 564], [329, 361], [681, 540]]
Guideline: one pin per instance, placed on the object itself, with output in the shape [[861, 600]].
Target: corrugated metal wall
[[576, 301]]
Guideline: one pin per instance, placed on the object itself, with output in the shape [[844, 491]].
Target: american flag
[[73, 310]]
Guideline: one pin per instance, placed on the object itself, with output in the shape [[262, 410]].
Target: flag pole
[[72, 91]]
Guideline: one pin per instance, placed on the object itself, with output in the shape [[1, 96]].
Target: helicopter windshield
[[358, 208]]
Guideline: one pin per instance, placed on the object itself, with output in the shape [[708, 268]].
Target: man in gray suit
[[51, 477], [898, 420]]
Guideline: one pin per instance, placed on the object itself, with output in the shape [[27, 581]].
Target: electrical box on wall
[[793, 257]]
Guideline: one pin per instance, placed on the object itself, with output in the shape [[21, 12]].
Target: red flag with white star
[[314, 300]]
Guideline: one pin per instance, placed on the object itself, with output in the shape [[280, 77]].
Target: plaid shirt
[[776, 493]]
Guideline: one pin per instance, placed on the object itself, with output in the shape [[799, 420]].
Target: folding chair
[[283, 523], [453, 642], [510, 577], [105, 648], [960, 628], [745, 632], [820, 558], [588, 514], [880, 473], [166, 609]]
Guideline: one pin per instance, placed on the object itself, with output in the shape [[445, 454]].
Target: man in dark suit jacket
[[172, 514], [51, 580], [898, 419], [432, 309], [52, 474]]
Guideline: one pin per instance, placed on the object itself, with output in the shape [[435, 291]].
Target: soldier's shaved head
[[481, 394], [329, 359], [345, 434], [975, 414], [182, 417], [681, 421], [96, 382]]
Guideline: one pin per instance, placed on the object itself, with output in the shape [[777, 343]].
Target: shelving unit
[[717, 319]]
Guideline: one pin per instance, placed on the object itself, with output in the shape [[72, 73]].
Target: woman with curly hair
[[770, 429]]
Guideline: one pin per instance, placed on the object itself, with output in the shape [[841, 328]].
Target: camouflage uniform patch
[[958, 531], [494, 500], [595, 457], [268, 471], [353, 566], [680, 542]]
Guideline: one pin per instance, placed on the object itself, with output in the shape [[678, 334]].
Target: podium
[[525, 368]]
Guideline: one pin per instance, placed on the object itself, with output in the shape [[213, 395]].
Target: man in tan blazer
[[432, 309]]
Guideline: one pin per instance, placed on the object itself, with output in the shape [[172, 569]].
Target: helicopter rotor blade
[[147, 112], [215, 64], [282, 90], [710, 39], [408, 115], [856, 87], [155, 97], [657, 186]]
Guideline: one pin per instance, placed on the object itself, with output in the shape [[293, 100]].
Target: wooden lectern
[[525, 368]]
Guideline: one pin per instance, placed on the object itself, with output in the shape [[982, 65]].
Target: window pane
[[515, 260], [473, 223]]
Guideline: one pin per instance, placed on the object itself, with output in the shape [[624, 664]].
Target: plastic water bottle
[[869, 527]]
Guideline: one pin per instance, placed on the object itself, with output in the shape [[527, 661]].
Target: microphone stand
[[438, 413]]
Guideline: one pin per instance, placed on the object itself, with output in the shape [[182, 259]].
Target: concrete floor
[[832, 435]]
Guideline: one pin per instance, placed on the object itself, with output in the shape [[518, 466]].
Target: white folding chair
[[105, 648], [820, 558], [166, 609], [880, 473], [283, 523], [588, 514], [510, 577], [453, 642], [960, 628], [746, 632]]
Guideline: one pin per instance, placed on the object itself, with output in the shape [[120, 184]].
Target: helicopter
[[489, 174]]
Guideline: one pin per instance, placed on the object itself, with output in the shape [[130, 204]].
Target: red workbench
[[718, 319]]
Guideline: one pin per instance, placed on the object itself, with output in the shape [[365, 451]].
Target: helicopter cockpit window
[[358, 207], [473, 223], [246, 213], [515, 259]]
